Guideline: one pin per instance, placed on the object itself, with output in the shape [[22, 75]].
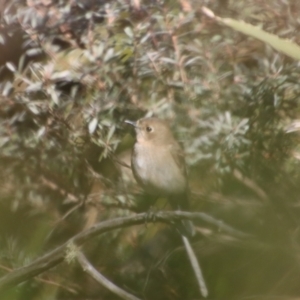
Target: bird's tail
[[196, 266]]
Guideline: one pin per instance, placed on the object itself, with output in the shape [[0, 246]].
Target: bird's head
[[152, 130]]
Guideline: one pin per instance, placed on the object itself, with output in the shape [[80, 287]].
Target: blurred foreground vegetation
[[72, 71]]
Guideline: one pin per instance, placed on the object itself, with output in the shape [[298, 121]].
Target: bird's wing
[[181, 200], [178, 156]]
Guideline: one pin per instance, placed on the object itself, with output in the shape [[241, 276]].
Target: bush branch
[[57, 255], [88, 267]]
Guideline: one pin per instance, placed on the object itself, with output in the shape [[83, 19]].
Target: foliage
[[76, 70]]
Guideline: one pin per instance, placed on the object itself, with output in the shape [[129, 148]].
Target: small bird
[[158, 162], [158, 165]]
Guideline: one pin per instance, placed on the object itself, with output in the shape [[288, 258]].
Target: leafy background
[[72, 72]]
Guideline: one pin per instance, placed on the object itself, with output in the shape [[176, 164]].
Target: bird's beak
[[131, 123]]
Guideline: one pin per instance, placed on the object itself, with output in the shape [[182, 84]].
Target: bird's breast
[[157, 171]]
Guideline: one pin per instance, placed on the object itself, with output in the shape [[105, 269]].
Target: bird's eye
[[149, 129]]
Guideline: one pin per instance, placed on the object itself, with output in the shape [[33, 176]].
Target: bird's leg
[[150, 215], [151, 209]]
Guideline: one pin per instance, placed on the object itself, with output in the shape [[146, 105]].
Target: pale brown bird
[[158, 162], [158, 165]]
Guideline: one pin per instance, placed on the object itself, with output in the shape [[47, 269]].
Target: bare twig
[[87, 267], [196, 266], [251, 185], [57, 255], [52, 185], [123, 164], [47, 281]]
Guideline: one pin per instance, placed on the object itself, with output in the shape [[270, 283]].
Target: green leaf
[[285, 46]]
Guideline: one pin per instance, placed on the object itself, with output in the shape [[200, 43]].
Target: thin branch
[[57, 255], [117, 160], [87, 267], [52, 185], [251, 185], [196, 267], [47, 281]]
